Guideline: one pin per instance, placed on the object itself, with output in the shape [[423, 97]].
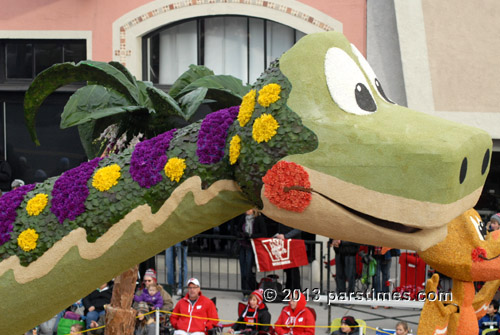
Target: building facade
[[436, 57]]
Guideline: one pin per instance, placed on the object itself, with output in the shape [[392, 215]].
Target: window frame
[[200, 23]]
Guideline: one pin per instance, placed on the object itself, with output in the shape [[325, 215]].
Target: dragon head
[[394, 173]]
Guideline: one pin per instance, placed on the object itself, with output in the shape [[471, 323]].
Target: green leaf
[[226, 83], [195, 72], [86, 101], [102, 113], [192, 101], [66, 73], [163, 103], [144, 99], [119, 66]]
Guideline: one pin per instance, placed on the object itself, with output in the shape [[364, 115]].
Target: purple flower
[[213, 133], [70, 191], [9, 203], [148, 159]]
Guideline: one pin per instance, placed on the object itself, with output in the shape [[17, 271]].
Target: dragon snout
[[484, 166]]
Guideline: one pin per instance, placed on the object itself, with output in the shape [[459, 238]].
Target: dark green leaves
[[114, 96], [66, 73], [87, 104], [195, 72]]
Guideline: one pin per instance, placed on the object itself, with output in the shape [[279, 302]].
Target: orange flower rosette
[[285, 186]]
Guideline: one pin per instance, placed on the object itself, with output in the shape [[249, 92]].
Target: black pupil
[[381, 91], [463, 171], [486, 161], [364, 99]]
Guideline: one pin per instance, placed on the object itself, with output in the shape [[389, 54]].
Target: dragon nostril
[[486, 161], [463, 170]]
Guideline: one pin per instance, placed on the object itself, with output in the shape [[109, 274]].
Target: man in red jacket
[[194, 314]]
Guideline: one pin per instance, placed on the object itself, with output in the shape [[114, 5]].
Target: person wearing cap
[[16, 183], [150, 279], [348, 326], [294, 315], [194, 314], [494, 223], [255, 312], [144, 325]]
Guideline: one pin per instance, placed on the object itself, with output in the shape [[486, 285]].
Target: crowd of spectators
[[195, 314]]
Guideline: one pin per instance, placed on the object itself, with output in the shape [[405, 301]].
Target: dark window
[[60, 149], [20, 61], [24, 59]]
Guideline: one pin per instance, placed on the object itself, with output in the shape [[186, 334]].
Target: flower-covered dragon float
[[316, 144]]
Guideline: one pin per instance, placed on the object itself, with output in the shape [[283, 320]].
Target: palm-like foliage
[[114, 96]]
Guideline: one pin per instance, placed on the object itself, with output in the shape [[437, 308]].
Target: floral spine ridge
[[148, 159], [8, 205], [27, 239], [37, 204], [174, 169], [213, 133], [246, 108], [70, 191], [106, 177]]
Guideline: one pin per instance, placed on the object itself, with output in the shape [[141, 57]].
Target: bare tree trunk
[[120, 316]]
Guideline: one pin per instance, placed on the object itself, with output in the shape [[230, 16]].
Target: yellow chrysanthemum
[[234, 149], [269, 94], [106, 177], [246, 108], [37, 204], [174, 169], [27, 239], [264, 128]]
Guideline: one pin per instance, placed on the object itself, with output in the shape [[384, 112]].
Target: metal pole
[[157, 325], [328, 274]]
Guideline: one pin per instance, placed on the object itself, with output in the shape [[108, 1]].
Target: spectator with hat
[[296, 314], [494, 223], [255, 312], [150, 279], [194, 314], [348, 326], [144, 324], [16, 183]]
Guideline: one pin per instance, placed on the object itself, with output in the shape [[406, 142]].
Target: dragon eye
[[347, 83], [370, 73]]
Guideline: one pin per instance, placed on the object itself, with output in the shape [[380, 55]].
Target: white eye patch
[[370, 73], [347, 83]]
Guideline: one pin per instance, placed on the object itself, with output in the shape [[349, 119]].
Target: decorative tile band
[[123, 53]]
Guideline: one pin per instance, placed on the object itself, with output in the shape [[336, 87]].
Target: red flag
[[274, 254]]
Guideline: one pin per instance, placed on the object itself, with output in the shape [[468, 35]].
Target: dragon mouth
[[488, 259], [396, 226]]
